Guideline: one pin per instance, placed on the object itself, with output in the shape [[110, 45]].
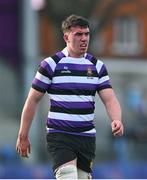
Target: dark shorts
[[65, 147]]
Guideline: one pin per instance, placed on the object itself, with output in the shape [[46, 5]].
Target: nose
[[84, 37]]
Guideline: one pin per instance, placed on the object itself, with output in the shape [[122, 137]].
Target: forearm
[[27, 116], [29, 111], [113, 109]]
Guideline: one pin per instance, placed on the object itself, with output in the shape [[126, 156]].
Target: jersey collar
[[66, 53]]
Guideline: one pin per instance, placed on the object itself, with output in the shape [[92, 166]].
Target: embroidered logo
[[66, 70], [89, 73]]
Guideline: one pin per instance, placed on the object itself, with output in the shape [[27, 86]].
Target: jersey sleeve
[[43, 77], [104, 80]]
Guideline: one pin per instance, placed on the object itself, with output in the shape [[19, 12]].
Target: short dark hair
[[73, 21]]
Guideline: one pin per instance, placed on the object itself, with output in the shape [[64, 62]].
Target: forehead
[[79, 29]]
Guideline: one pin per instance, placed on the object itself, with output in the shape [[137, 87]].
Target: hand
[[23, 146], [117, 128]]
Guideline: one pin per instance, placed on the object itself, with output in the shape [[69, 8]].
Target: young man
[[71, 78]]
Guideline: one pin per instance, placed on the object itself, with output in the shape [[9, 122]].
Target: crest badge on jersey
[[89, 73]]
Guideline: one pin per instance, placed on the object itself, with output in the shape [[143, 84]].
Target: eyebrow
[[80, 33]]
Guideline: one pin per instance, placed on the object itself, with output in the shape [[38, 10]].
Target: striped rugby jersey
[[71, 84]]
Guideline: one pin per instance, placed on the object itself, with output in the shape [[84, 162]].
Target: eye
[[79, 34], [87, 33]]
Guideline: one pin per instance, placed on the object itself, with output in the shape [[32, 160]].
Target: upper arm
[[35, 95], [107, 95]]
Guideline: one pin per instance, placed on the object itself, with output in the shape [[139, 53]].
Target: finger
[[115, 126], [116, 129], [28, 152], [18, 150], [119, 132], [29, 149], [24, 154]]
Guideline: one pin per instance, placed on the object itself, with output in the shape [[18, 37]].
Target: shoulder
[[47, 62], [54, 59], [96, 61]]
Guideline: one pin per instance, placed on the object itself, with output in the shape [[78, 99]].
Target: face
[[77, 40]]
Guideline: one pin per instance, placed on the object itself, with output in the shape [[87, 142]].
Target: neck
[[75, 55]]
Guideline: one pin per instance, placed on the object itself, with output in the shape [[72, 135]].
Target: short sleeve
[[104, 80], [43, 77]]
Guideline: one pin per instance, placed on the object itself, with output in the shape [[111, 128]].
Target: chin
[[83, 49]]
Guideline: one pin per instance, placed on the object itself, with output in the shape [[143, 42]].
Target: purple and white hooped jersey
[[71, 84]]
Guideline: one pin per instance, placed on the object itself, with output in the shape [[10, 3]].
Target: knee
[[68, 171], [83, 175]]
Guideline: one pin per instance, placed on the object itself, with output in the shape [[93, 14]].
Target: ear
[[65, 37]]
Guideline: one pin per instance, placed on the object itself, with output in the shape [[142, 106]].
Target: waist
[[90, 133], [71, 129]]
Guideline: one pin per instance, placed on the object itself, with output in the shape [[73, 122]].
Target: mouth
[[83, 45]]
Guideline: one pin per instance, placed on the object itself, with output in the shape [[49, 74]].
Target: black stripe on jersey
[[104, 87], [71, 92], [94, 60], [71, 129], [74, 73], [56, 58], [38, 88], [72, 111], [44, 72]]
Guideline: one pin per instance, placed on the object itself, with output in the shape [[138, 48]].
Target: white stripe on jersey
[[99, 65], [42, 78], [74, 79], [71, 117], [72, 98], [71, 60], [103, 79], [92, 131], [51, 63]]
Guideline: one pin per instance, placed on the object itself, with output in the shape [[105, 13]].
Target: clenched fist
[[117, 128]]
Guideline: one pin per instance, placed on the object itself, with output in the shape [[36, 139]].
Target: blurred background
[[30, 30]]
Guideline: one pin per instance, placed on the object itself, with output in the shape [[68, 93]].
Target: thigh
[[86, 154], [59, 150]]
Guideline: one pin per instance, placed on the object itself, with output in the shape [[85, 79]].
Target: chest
[[87, 71]]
